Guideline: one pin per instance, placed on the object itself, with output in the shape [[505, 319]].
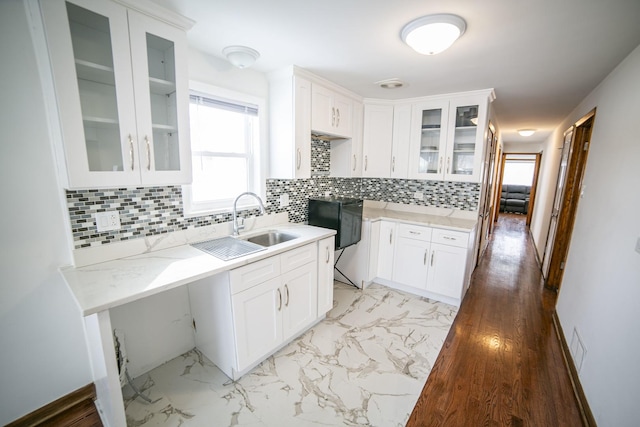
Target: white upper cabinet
[[400, 142], [447, 138], [121, 85], [290, 125], [330, 112], [377, 140]]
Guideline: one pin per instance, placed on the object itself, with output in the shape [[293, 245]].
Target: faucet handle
[[240, 223]]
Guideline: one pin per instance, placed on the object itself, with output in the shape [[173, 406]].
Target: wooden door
[[567, 198]]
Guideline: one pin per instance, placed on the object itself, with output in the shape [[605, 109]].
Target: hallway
[[501, 364]]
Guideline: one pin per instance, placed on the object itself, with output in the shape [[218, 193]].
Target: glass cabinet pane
[[164, 114], [93, 56], [430, 141], [464, 142]]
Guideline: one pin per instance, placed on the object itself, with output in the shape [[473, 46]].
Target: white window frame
[[257, 178]]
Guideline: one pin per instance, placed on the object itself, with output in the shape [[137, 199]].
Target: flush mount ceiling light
[[241, 56], [394, 83], [526, 132], [433, 34]]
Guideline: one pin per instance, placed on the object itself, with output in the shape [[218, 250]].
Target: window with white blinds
[[224, 149]]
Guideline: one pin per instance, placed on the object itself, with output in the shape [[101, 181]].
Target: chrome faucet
[[236, 227]]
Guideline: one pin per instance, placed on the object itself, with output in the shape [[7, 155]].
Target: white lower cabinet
[[428, 261], [386, 248], [326, 257], [244, 315], [446, 270]]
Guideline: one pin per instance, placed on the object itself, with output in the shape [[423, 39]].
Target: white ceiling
[[541, 56]]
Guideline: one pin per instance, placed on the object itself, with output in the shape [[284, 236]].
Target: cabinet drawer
[[297, 257], [253, 274], [416, 232], [451, 238]]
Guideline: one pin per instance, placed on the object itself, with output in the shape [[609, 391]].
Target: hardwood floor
[[502, 363]]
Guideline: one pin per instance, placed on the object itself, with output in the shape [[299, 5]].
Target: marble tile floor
[[364, 365]]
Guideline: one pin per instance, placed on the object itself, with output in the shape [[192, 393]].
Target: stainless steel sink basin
[[271, 238]]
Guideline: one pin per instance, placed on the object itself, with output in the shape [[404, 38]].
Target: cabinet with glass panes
[[446, 141], [122, 93]]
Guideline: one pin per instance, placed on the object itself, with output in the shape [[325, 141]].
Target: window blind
[[235, 107]]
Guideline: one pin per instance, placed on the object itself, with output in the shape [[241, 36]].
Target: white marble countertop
[[102, 286], [433, 217]]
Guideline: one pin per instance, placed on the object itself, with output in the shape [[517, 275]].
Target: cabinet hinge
[[562, 265], [194, 325], [586, 146]]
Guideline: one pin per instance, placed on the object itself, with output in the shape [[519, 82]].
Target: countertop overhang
[[102, 286]]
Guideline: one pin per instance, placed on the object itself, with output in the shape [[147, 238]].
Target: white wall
[[44, 353], [600, 293]]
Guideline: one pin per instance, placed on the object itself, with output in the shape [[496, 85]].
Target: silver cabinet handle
[[286, 288], [424, 261], [414, 232], [448, 238], [333, 116], [354, 162], [448, 164], [440, 166], [131, 158], [432, 254], [298, 158], [328, 255], [366, 163], [393, 164], [390, 236], [279, 300], [146, 140], [337, 117]]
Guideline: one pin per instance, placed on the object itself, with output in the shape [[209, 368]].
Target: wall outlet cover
[[107, 221], [284, 200], [418, 195]]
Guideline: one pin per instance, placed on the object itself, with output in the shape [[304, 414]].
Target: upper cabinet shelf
[[122, 92]]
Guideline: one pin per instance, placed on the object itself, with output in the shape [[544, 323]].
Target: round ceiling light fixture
[[433, 34], [526, 132], [241, 56], [393, 83]]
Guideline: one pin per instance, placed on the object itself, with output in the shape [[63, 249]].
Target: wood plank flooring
[[502, 363]]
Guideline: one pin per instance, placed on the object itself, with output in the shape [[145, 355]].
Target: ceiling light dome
[[526, 132], [241, 56], [433, 34]]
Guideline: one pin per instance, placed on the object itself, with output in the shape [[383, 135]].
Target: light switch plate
[[284, 200], [107, 221]]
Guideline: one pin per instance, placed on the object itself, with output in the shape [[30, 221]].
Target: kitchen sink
[[227, 248], [271, 238]]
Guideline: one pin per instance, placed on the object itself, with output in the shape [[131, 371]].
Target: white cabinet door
[[446, 270], [162, 100], [428, 140], [346, 154], [377, 141], [330, 112], [106, 101], [257, 317], [290, 126], [386, 248], [465, 139], [299, 290], [325, 274], [401, 141], [410, 263]]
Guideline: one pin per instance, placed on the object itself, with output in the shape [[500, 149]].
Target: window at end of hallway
[[226, 149]]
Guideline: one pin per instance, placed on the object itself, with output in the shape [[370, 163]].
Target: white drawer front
[[253, 274], [416, 232], [450, 237], [297, 257]]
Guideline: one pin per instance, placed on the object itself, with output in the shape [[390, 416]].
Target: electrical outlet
[[107, 221], [418, 195], [284, 200]]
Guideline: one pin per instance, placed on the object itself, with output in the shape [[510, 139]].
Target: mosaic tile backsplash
[[157, 210]]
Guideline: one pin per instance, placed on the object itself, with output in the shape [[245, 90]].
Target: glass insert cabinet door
[[431, 129], [462, 160], [91, 38]]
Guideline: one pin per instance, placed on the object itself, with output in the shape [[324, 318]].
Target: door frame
[[534, 183], [579, 152]]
